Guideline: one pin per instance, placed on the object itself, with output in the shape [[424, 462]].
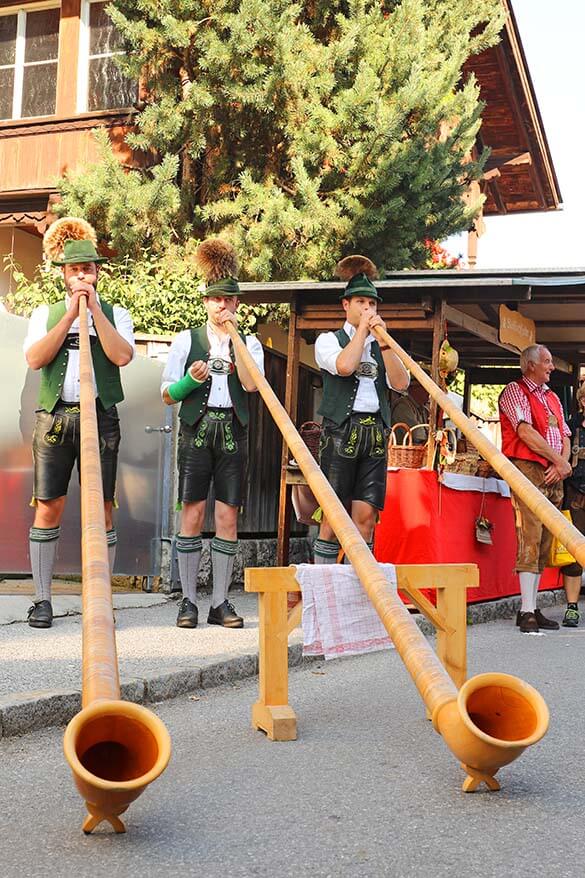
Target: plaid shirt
[[515, 405]]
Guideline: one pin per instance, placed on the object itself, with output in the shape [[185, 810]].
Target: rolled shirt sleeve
[[124, 326], [37, 327], [256, 350], [175, 366], [327, 350], [515, 406]]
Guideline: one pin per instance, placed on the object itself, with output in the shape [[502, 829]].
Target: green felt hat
[[226, 286], [79, 251], [360, 285]]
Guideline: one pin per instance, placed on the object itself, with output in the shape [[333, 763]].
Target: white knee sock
[[528, 586], [535, 588]]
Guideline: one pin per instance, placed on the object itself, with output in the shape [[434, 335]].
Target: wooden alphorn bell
[[493, 717], [114, 748]]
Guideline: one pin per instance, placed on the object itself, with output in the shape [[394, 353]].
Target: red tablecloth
[[424, 522]]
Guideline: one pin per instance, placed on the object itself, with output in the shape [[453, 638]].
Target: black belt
[[72, 341]]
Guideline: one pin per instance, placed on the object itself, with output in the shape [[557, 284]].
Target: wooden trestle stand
[[272, 712], [493, 717], [114, 748]]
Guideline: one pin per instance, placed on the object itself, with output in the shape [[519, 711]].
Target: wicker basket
[[407, 455], [310, 433], [465, 463], [484, 469]]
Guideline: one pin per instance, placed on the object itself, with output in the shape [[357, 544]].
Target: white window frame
[[85, 57], [19, 54]]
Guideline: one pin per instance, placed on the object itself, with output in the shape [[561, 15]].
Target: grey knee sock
[[112, 541], [189, 557], [223, 553], [43, 547], [325, 551]]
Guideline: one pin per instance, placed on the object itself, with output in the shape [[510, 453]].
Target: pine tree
[[304, 131]]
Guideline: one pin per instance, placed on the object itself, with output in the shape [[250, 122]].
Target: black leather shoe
[[528, 623], [546, 624], [40, 615], [225, 615], [188, 614]]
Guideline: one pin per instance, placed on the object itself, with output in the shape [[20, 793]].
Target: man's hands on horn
[[78, 288]]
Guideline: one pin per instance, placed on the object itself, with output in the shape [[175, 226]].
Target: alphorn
[[493, 717], [114, 748], [550, 516]]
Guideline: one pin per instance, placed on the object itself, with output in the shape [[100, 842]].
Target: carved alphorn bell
[[114, 748], [493, 717]]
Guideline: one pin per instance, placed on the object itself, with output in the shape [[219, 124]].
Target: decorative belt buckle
[[219, 366], [367, 370]]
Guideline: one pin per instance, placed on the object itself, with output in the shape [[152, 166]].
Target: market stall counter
[[429, 519]]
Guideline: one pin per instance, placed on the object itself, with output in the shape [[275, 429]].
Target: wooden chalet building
[[58, 81]]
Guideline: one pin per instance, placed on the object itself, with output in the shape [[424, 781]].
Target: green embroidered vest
[[193, 406], [339, 392], [107, 375]]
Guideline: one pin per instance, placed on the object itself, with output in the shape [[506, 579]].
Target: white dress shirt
[[219, 346], [327, 350], [37, 329]]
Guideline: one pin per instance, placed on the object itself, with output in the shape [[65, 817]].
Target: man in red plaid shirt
[[536, 438]]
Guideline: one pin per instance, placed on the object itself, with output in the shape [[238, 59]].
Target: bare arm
[[351, 356], [397, 374], [199, 371], [44, 351], [116, 348], [246, 379]]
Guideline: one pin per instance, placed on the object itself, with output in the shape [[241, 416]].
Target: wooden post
[[576, 385], [272, 712], [467, 393], [451, 582], [66, 104], [438, 332], [290, 404]]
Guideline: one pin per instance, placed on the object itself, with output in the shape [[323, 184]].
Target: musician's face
[[87, 272], [215, 305], [355, 306]]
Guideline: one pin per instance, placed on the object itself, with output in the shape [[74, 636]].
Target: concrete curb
[[25, 712]]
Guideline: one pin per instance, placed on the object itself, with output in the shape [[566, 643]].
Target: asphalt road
[[368, 789]]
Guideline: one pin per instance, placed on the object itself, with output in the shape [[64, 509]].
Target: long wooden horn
[[550, 516], [494, 717], [114, 748]]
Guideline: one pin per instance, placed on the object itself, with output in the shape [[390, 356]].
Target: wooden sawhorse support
[[272, 712]]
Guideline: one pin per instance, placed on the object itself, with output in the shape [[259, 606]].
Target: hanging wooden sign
[[516, 329]]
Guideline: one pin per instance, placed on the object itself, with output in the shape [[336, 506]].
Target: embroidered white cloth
[[338, 617]]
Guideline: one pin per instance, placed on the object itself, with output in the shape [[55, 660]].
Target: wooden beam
[[438, 332], [490, 312], [290, 404], [509, 86], [496, 161], [490, 334]]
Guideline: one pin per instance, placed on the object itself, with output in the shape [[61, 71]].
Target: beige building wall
[[26, 251]]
